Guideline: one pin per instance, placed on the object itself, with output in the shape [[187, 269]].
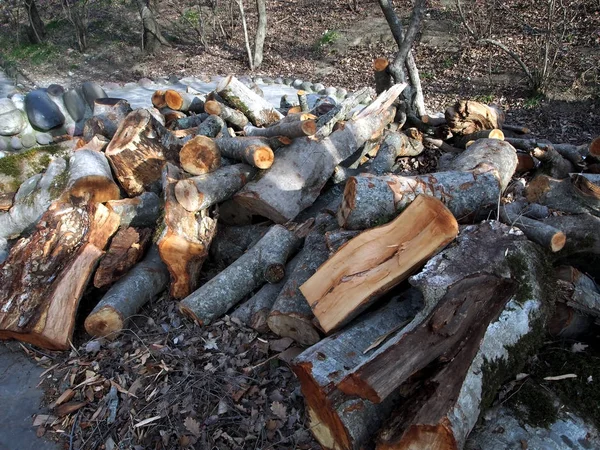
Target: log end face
[[380, 64], [558, 241], [189, 313], [158, 99], [106, 322], [188, 196], [200, 155], [212, 107], [274, 273], [309, 127], [173, 99], [96, 188], [263, 157], [299, 329]]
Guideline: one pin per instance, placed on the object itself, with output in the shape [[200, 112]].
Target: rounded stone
[[297, 84], [307, 86], [145, 82], [341, 93], [28, 140], [318, 87], [12, 120], [288, 81], [268, 80], [111, 86], [15, 143], [75, 104], [173, 79], [4, 143], [91, 91], [55, 90], [278, 80], [43, 138], [42, 112], [257, 80], [331, 91]]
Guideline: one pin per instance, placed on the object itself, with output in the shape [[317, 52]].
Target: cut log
[[53, 266], [433, 121], [465, 141], [543, 234], [486, 295], [581, 231], [90, 177], [339, 113], [265, 260], [232, 242], [291, 315], [108, 114], [574, 153], [296, 117], [142, 211], [200, 155], [337, 238], [291, 129], [443, 146], [189, 122], [255, 311], [140, 285], [231, 116], [301, 170], [303, 101], [127, 248], [182, 101], [467, 117], [203, 191], [158, 99], [339, 422], [185, 238], [394, 145], [553, 164], [212, 127], [375, 261], [253, 151], [526, 163], [580, 291], [594, 149], [580, 193], [136, 154], [258, 110], [171, 116], [383, 79], [372, 200]]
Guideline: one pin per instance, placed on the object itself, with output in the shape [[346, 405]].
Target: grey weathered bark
[[141, 211], [152, 38], [261, 32]]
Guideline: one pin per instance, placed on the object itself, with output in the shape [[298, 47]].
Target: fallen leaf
[[223, 408], [279, 410], [192, 426], [43, 419]]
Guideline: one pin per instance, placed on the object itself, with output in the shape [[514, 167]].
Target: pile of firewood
[[302, 209]]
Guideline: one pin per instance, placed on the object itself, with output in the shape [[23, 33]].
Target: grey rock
[[43, 138], [42, 112], [297, 84], [28, 140], [12, 120], [145, 82], [55, 90], [258, 80], [4, 143], [331, 92], [278, 80], [341, 93], [27, 187], [288, 81], [173, 79], [91, 91], [307, 86], [15, 143], [111, 86], [130, 86], [318, 87], [268, 80], [75, 104]]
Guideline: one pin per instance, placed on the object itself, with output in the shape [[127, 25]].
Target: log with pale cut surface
[[258, 110], [171, 116], [383, 79], [182, 101], [185, 238], [394, 145], [200, 155], [291, 129], [231, 116], [574, 153], [580, 193], [53, 266], [483, 263], [375, 261], [126, 249], [581, 231], [202, 191], [142, 283], [466, 140], [90, 177], [267, 257], [249, 150], [468, 116], [108, 114], [302, 169], [338, 421], [303, 101], [553, 164], [136, 153], [141, 211]]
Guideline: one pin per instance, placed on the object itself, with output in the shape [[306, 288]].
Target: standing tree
[[77, 12], [152, 38], [404, 62], [261, 33], [36, 30]]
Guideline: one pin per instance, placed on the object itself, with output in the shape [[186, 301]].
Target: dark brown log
[[253, 151], [577, 194], [433, 121], [108, 114], [141, 284], [259, 111], [296, 117], [301, 170], [142, 211], [127, 248], [229, 115], [90, 177], [526, 162], [136, 153], [375, 261], [383, 79], [185, 237], [232, 242], [443, 146], [291, 129], [171, 116], [466, 140], [53, 266], [394, 145], [266, 260], [467, 117], [553, 164], [519, 129], [200, 155], [338, 421], [203, 191], [182, 101]]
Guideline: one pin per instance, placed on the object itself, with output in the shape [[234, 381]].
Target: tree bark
[[231, 242], [253, 151], [90, 177], [291, 129], [125, 250], [200, 156], [581, 231], [182, 101], [203, 191], [142, 211], [468, 117], [266, 260], [466, 140], [231, 116], [141, 284], [339, 113], [375, 261], [37, 30], [261, 32], [553, 164], [580, 193], [394, 145], [108, 114], [301, 170], [152, 37], [185, 237], [53, 266], [383, 79]]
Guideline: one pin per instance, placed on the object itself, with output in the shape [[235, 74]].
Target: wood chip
[[561, 377], [146, 421]]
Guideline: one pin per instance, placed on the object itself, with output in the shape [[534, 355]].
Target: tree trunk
[[261, 32], [203, 191], [301, 170], [231, 116], [375, 261], [136, 154], [339, 422], [141, 284], [37, 30], [200, 156], [142, 211], [127, 247], [152, 38], [185, 238], [263, 262], [53, 266], [259, 111], [249, 150]]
